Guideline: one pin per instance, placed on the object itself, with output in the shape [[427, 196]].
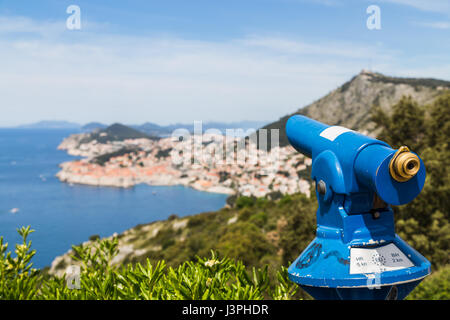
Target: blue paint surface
[[354, 170]]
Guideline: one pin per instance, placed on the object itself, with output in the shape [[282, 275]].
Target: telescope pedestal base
[[395, 292], [331, 269]]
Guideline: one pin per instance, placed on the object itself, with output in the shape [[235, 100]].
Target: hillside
[[350, 104], [253, 230], [274, 229], [152, 129], [157, 130], [50, 124], [256, 231], [108, 140], [115, 132], [92, 126]]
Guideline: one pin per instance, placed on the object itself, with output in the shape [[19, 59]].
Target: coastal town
[[199, 162]]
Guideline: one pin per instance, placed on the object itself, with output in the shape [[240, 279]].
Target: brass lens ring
[[404, 165]]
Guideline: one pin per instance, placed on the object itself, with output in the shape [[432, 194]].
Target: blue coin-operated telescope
[[356, 253]]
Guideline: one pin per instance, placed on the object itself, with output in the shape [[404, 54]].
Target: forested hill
[[115, 132], [274, 230], [350, 104]]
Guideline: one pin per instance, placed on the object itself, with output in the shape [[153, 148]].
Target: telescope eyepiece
[[404, 165]]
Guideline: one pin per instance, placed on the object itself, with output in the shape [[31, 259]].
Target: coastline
[[66, 176], [124, 164]]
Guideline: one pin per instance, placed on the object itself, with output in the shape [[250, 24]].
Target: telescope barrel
[[303, 132], [397, 176]]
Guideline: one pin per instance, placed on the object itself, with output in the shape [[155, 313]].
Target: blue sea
[[63, 214]]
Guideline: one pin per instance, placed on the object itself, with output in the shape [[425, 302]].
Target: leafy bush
[[94, 237], [245, 242], [17, 279], [244, 201], [213, 278], [245, 213], [259, 219], [424, 222], [434, 287]]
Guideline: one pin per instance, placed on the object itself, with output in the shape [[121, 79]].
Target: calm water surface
[[64, 214]]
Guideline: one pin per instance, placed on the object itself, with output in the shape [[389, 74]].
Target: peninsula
[[112, 159]]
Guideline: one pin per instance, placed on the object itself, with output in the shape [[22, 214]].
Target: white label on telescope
[[331, 133], [376, 260]]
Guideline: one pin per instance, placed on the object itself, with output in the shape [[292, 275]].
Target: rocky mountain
[[117, 132], [50, 124], [97, 142], [153, 129], [350, 104], [93, 126], [157, 130]]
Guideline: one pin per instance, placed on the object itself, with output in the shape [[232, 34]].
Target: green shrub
[[286, 199], [195, 221], [167, 243], [434, 287], [259, 219], [94, 237], [244, 201], [424, 222], [245, 213], [206, 278], [17, 279], [245, 242]]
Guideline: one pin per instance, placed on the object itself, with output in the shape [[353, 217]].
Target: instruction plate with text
[[376, 260]]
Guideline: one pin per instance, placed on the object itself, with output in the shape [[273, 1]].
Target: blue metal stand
[[356, 253]]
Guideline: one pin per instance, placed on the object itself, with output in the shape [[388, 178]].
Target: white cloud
[[444, 25], [329, 3], [440, 6], [27, 25], [50, 29], [329, 48], [86, 76], [436, 71]]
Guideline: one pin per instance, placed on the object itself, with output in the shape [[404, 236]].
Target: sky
[[211, 60]]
